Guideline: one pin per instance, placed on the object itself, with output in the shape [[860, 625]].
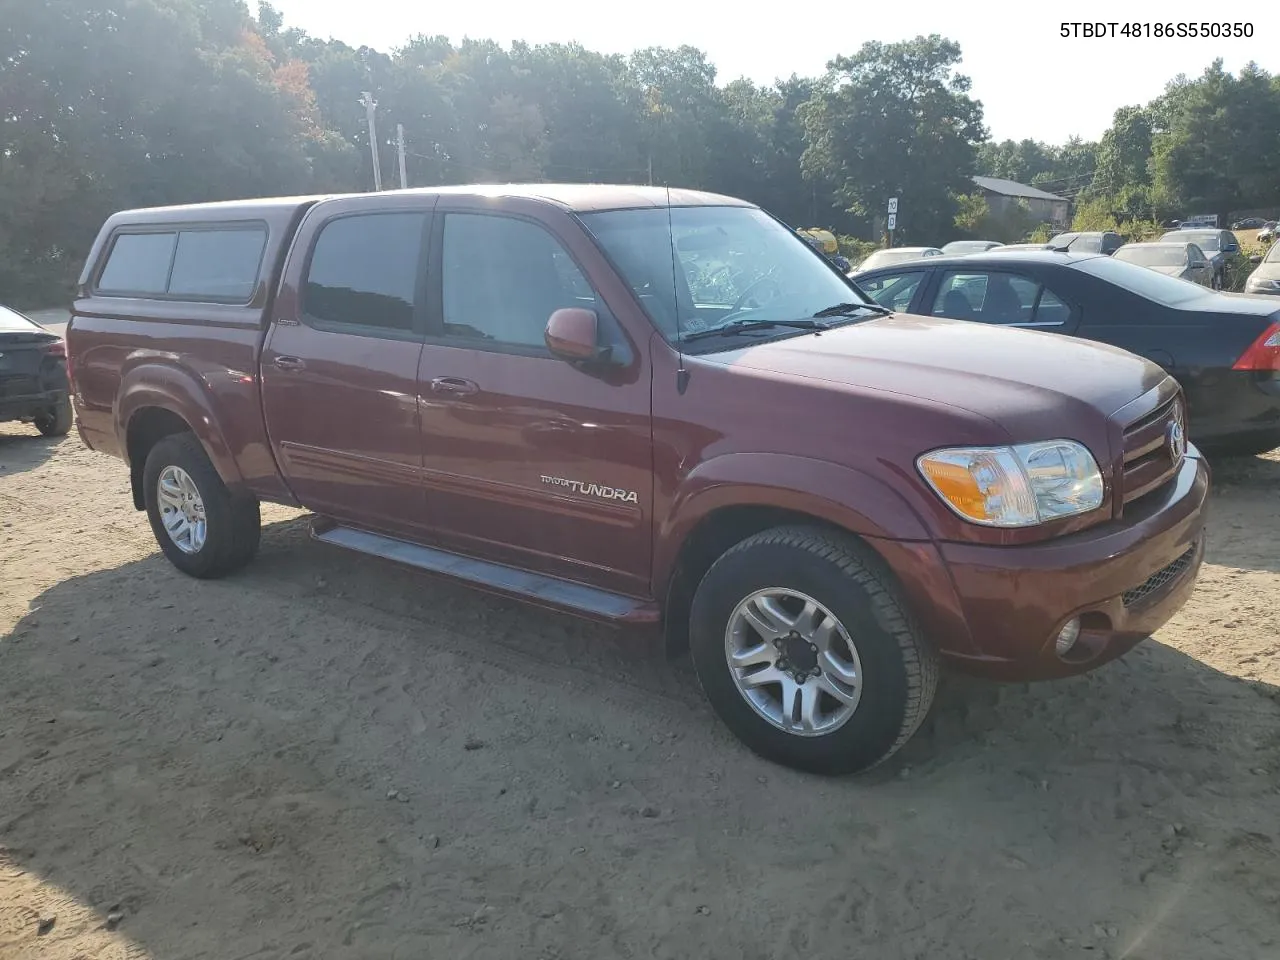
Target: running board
[[563, 595]]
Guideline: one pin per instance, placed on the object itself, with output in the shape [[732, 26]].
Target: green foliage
[[976, 220], [896, 120], [109, 104], [1041, 234], [972, 213]]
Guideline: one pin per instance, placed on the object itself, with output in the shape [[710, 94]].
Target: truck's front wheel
[[806, 652], [203, 528]]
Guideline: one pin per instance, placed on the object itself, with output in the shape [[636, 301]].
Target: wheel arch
[[737, 496], [149, 415]]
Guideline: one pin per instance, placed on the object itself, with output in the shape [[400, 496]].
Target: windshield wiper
[[746, 326], [848, 309]]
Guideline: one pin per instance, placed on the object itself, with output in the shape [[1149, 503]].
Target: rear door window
[[364, 271], [138, 265], [893, 290], [1002, 298], [217, 264]]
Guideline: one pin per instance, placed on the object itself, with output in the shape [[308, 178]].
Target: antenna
[[682, 375]]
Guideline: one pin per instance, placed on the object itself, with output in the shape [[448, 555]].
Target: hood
[[1266, 271], [1031, 384], [1169, 271]]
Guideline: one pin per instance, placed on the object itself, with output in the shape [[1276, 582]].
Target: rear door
[[529, 460], [340, 365], [1003, 297]]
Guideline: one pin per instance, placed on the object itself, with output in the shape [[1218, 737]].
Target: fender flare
[[845, 496], [182, 393]]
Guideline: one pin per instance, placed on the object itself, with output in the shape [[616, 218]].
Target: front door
[[340, 365], [529, 460]]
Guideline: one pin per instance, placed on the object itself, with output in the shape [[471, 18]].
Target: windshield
[[1209, 242], [736, 264], [1160, 287], [1156, 255], [1273, 254]]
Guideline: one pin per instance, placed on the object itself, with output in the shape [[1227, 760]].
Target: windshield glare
[[1153, 256], [735, 264], [1273, 254], [11, 321]]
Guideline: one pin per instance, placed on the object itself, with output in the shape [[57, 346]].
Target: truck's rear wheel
[[203, 528], [806, 652]]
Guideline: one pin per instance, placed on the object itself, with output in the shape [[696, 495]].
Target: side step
[[552, 592]]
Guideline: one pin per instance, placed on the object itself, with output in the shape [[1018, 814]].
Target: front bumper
[[996, 611]]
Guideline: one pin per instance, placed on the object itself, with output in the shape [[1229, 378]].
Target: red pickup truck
[[646, 406]]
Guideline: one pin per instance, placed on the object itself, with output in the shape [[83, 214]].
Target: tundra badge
[[593, 489]]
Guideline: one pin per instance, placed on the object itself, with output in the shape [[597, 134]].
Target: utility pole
[[651, 168], [370, 106], [404, 178]]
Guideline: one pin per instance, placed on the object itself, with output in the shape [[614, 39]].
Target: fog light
[[1068, 637]]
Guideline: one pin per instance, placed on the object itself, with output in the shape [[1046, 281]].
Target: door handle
[[289, 363], [455, 385]]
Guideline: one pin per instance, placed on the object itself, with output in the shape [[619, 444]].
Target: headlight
[[1015, 486]]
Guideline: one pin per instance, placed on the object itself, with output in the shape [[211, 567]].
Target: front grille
[[1149, 461], [1160, 579]]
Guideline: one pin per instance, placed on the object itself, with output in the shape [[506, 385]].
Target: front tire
[[806, 652], [55, 422], [204, 529]]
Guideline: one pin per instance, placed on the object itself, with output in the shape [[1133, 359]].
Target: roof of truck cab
[[586, 197], [577, 197], [265, 208]]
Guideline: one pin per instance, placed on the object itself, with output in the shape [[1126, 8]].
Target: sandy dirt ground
[[328, 757]]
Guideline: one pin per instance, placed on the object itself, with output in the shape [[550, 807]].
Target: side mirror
[[573, 335], [1255, 258]]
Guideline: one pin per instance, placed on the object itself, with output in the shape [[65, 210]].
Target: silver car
[[1266, 276], [884, 258], [1185, 261]]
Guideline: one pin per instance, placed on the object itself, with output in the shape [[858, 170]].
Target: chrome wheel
[[793, 662], [181, 509]]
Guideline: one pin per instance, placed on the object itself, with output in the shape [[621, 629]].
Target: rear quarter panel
[[197, 360]]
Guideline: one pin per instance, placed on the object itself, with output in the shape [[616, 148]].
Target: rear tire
[[897, 672], [231, 524], [57, 421]]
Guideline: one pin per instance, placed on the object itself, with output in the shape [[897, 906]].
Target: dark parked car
[[1217, 245], [1248, 223], [1098, 241], [1224, 349], [1268, 232], [33, 375], [646, 406]]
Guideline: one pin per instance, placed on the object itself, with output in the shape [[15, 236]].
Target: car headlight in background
[[1015, 486]]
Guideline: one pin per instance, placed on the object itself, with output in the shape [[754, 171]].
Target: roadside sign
[[893, 206], [893, 220]]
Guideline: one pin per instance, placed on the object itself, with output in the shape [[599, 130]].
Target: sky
[[1032, 81]]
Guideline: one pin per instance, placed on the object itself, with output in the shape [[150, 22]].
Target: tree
[[1215, 151], [896, 120]]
